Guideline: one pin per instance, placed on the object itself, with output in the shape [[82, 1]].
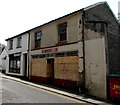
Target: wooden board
[[67, 68]]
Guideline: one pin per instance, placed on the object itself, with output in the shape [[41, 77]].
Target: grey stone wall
[[102, 13]]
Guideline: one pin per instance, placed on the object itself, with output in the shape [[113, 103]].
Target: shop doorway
[[25, 65], [50, 69]]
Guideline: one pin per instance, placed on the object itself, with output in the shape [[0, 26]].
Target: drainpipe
[[82, 73], [83, 35], [28, 54]]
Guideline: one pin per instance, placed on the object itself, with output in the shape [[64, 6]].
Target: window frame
[[11, 44], [19, 42], [14, 67], [38, 41], [64, 33]]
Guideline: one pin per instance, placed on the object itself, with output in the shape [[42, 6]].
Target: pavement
[[80, 97]]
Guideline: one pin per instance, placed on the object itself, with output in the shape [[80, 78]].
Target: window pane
[[63, 32], [19, 41], [38, 35], [11, 44], [14, 64], [11, 64], [62, 37], [18, 64], [74, 53]]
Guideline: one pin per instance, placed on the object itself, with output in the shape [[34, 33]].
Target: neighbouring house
[[18, 55], [4, 59], [77, 51]]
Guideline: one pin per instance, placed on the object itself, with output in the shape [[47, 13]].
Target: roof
[[4, 48], [94, 5], [83, 9], [17, 35]]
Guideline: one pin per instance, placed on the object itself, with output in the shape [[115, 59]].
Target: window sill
[[61, 43], [10, 48], [36, 48], [19, 47]]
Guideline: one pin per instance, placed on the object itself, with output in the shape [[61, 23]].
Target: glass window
[[38, 37], [11, 44], [18, 64], [14, 64], [60, 54], [74, 53], [19, 40], [62, 30]]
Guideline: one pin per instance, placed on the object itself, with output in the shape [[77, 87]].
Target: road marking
[[57, 94]]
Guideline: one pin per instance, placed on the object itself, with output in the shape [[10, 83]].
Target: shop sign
[[115, 88], [15, 55], [50, 50]]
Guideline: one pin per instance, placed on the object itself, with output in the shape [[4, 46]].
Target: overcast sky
[[17, 16]]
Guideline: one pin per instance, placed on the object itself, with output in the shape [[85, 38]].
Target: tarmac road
[[15, 92]]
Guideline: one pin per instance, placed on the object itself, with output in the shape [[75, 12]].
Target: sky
[[17, 16]]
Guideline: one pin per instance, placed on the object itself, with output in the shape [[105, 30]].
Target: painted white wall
[[3, 62], [24, 45], [95, 67], [23, 50]]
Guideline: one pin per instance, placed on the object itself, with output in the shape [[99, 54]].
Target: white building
[[18, 55], [4, 59]]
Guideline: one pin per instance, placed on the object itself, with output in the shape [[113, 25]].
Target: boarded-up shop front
[[39, 70], [60, 70], [66, 72]]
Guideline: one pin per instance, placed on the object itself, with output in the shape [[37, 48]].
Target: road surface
[[15, 92]]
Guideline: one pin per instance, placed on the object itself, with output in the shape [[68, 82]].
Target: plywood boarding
[[67, 60], [67, 68], [49, 71], [39, 67]]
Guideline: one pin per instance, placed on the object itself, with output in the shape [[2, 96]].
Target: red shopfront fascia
[[114, 83]]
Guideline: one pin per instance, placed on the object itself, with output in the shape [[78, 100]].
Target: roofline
[[83, 9], [94, 5], [17, 35], [3, 49], [112, 12], [45, 24]]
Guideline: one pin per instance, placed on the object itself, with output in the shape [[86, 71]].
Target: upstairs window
[[38, 37], [19, 41], [11, 44], [62, 31]]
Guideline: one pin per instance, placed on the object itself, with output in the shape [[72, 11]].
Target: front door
[[25, 65], [50, 68]]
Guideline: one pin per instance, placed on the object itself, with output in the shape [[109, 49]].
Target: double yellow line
[[65, 97]]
